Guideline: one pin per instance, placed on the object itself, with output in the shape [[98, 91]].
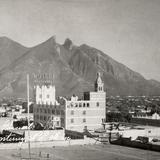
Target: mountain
[[74, 69], [9, 51]]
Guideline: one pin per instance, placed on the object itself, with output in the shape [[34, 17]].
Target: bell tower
[[99, 85]]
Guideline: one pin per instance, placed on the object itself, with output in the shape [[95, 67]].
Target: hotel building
[[72, 114], [47, 110]]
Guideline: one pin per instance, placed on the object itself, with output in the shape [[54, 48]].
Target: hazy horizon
[[126, 30]]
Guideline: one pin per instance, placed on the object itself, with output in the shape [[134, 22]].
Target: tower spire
[[99, 85]]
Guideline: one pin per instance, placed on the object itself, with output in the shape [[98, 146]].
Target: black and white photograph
[[79, 79]]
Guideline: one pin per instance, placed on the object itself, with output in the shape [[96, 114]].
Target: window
[[84, 104], [97, 104], [62, 112], [72, 120], [37, 109], [84, 120], [45, 111], [84, 112], [47, 95], [48, 110], [68, 106], [62, 120], [80, 104], [53, 111], [87, 104], [85, 127], [58, 123], [58, 112], [72, 112]]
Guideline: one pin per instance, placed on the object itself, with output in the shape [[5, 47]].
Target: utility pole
[[29, 149]]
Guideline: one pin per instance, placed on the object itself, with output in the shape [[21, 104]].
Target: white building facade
[[46, 108], [88, 113]]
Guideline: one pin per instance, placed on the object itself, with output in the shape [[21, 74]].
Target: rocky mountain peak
[[53, 40], [68, 44]]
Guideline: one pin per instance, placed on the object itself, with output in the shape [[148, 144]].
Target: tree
[[25, 106]]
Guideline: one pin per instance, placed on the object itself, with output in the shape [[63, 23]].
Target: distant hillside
[[9, 51], [74, 69]]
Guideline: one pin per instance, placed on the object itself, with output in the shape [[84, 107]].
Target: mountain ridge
[[74, 68], [10, 51]]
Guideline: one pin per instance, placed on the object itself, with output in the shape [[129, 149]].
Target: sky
[[126, 30]]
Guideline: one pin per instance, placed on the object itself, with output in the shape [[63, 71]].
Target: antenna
[[29, 150]]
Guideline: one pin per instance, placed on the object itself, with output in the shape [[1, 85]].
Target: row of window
[[49, 111], [72, 112], [81, 105], [100, 88], [78, 105], [48, 105], [47, 96], [83, 120], [46, 118]]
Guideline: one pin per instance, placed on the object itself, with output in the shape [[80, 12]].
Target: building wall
[[46, 109], [47, 113], [45, 135], [147, 132], [97, 96], [145, 121], [85, 114], [156, 116]]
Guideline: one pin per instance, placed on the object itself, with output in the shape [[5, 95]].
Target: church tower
[[99, 85]]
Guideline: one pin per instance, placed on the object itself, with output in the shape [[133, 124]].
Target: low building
[[154, 116], [73, 114]]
